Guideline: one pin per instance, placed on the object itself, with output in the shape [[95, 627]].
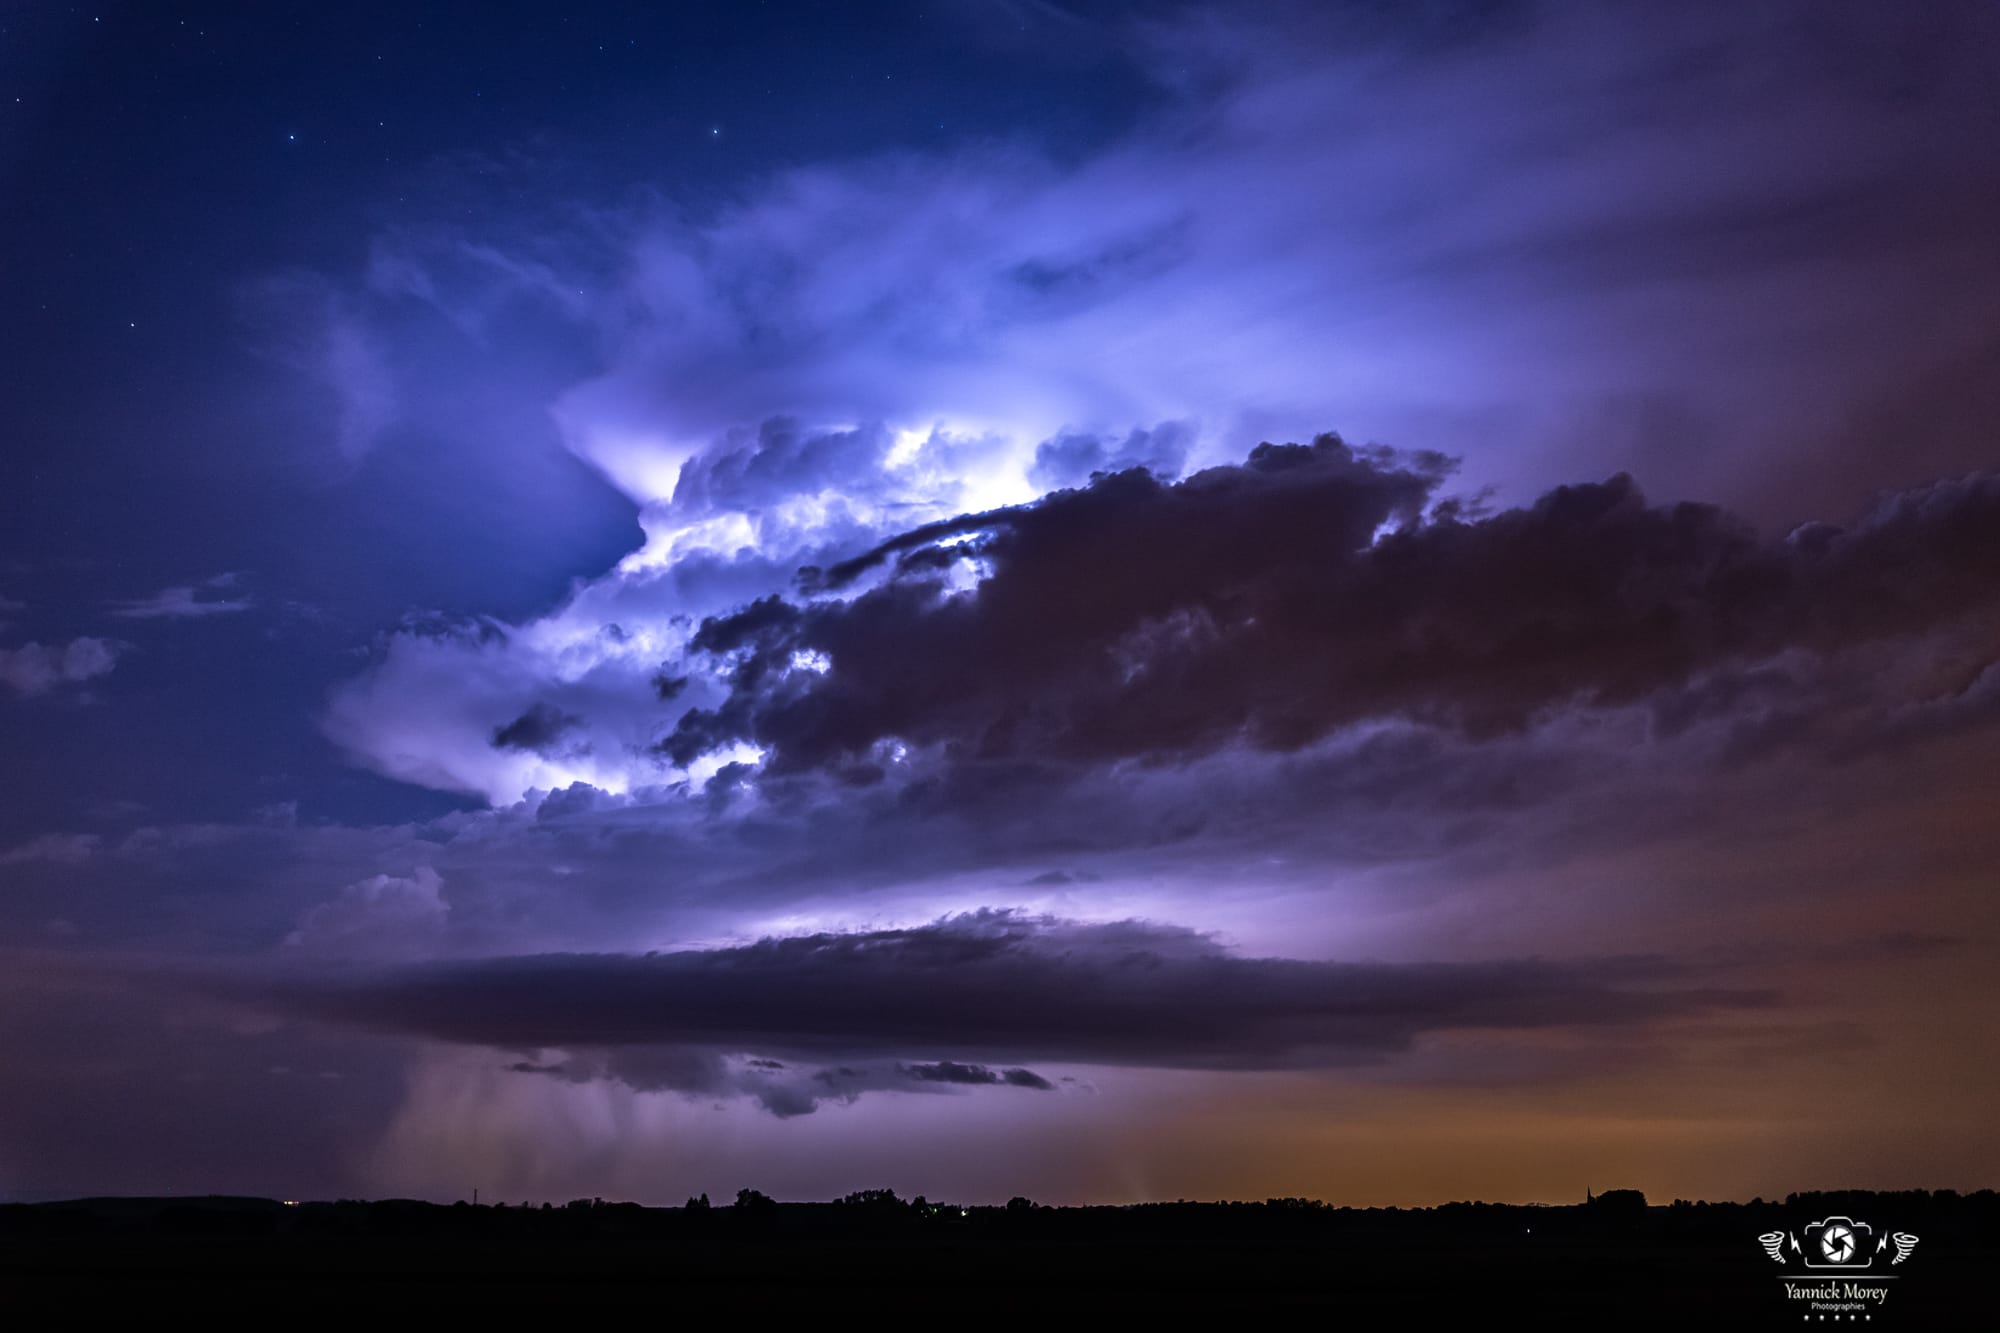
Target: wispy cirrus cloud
[[186, 602], [53, 849]]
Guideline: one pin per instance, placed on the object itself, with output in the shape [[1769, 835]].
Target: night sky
[[1108, 602]]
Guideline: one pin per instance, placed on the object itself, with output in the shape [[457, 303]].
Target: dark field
[[1615, 1264]]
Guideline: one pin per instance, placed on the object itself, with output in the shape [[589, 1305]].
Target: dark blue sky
[[162, 159]]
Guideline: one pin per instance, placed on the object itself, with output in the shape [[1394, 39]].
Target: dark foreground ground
[[1613, 1264]]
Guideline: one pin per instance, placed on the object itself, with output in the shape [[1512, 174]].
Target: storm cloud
[[1758, 278], [1310, 588], [992, 986]]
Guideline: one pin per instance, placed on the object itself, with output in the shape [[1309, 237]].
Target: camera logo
[[1837, 1242]]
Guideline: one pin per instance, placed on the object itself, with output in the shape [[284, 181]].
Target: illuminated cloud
[[1536, 283]]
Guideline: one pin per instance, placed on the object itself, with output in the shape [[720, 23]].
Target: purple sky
[[1112, 604]]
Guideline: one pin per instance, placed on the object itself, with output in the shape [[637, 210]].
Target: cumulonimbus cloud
[[847, 350]]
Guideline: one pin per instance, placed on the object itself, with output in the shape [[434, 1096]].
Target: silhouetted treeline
[[1616, 1212], [1614, 1254]]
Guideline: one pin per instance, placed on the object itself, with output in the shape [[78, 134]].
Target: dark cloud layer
[[784, 1089], [951, 1071], [1310, 588], [991, 985]]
